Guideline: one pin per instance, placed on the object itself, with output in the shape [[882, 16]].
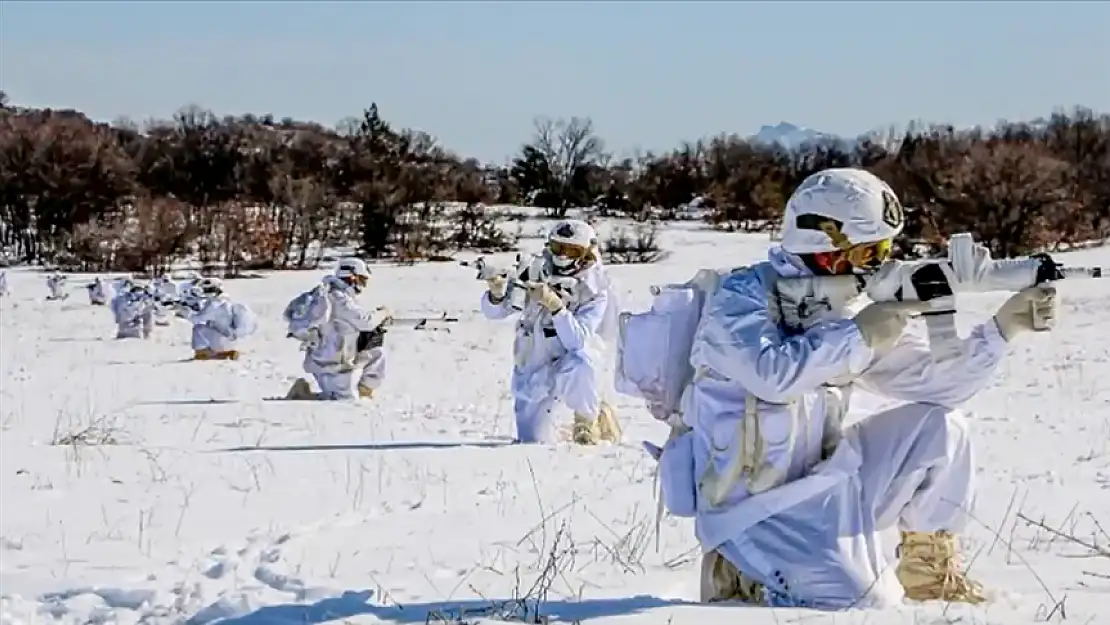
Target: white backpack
[[307, 312], [653, 364], [653, 347]]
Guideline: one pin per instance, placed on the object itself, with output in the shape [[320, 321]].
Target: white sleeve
[[346, 309], [574, 329], [198, 316], [910, 373], [738, 339], [114, 305], [501, 310]]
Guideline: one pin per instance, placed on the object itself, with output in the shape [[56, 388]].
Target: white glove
[[881, 323], [1033, 308], [498, 287], [545, 296]]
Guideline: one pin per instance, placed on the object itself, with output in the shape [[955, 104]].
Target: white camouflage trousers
[[916, 472], [571, 380], [368, 371]]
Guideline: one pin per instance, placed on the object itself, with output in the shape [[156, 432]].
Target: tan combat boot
[[721, 581], [608, 427], [300, 390], [202, 354], [228, 355], [365, 392], [929, 569], [586, 430]]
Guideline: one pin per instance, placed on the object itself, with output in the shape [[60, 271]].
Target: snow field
[[180, 494]]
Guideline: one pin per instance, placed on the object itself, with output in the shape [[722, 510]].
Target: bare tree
[[239, 192], [569, 146]]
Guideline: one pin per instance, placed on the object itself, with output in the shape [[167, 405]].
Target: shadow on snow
[[187, 402], [352, 604], [385, 446]]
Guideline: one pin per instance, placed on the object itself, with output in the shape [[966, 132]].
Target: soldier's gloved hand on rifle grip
[[881, 323], [545, 296], [1033, 308], [498, 287]]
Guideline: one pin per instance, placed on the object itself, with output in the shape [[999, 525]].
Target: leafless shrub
[[639, 247], [97, 433], [527, 602]]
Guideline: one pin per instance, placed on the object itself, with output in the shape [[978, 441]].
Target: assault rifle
[[419, 323], [968, 268], [529, 268]]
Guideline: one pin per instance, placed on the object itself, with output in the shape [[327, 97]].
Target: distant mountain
[[793, 137]]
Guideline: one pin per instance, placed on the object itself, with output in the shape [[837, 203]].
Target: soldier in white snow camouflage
[[789, 505]]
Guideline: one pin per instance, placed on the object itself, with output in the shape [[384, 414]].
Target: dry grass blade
[[1092, 546]]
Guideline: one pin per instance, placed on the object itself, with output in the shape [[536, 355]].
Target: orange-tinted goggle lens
[[567, 250], [869, 255]]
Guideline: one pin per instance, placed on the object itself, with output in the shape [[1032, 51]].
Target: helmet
[[209, 287], [571, 245], [136, 290], [190, 289], [354, 272], [838, 209]]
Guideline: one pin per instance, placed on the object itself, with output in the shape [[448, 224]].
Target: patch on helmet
[[565, 230], [831, 227], [893, 214]]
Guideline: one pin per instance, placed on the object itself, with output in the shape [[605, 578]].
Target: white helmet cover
[[571, 235], [348, 267], [837, 208], [209, 286], [353, 271]]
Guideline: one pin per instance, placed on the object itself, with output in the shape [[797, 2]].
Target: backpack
[[653, 347], [307, 312]]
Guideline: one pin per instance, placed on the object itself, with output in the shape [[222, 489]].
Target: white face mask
[[562, 262], [562, 265]]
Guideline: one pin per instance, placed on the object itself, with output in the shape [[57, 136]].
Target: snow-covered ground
[[189, 497]]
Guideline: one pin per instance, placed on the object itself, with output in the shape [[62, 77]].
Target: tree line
[[252, 192]]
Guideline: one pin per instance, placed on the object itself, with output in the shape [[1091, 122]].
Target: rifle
[[529, 269], [376, 337], [420, 323], [968, 268]]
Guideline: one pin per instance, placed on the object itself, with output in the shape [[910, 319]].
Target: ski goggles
[[868, 256], [357, 281], [568, 250]]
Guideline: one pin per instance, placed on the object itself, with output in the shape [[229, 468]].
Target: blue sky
[[650, 74]]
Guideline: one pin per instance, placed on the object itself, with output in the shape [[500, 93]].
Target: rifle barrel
[[1083, 272]]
